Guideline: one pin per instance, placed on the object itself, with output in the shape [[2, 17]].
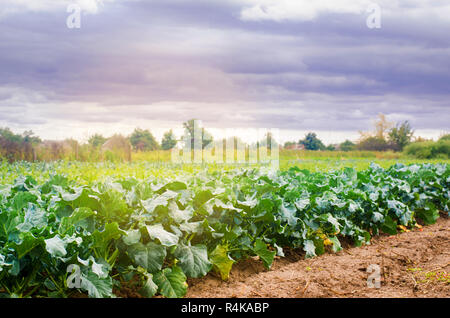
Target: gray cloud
[[172, 60]]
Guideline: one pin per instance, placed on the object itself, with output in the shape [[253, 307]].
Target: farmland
[[71, 228]]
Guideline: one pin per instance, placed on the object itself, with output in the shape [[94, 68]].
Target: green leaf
[[373, 196], [302, 204], [192, 227], [56, 247], [429, 214], [150, 288], [264, 253], [202, 197], [401, 210], [288, 214], [68, 196], [309, 248], [162, 200], [178, 215], [22, 199], [101, 270], [175, 186], [35, 217], [95, 286], [336, 244], [330, 219], [3, 263], [132, 237], [222, 262], [150, 256], [320, 247], [389, 226], [171, 282], [103, 238], [158, 232], [77, 215], [193, 260], [8, 223], [377, 217], [81, 197], [279, 250], [26, 244]]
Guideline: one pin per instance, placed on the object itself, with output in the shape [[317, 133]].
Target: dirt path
[[412, 264]]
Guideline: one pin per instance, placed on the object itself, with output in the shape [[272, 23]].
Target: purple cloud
[[321, 73]]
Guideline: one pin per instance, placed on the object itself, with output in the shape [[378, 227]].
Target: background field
[[158, 163], [148, 227]]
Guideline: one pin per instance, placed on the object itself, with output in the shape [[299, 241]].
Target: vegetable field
[[67, 229]]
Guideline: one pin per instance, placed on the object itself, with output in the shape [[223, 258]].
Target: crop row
[[59, 238]]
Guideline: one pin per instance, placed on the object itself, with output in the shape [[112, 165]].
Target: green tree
[[10, 145], [373, 144], [97, 140], [7, 134], [168, 141], [400, 136], [382, 126], [29, 142], [347, 146], [28, 136], [311, 142], [143, 140], [18, 147]]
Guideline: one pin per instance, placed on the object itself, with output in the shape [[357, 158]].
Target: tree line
[[385, 136], [28, 147]]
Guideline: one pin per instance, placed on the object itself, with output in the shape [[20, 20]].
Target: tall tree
[[311, 142], [381, 129], [382, 126], [168, 141], [347, 146], [28, 136], [97, 140], [18, 147], [143, 140], [10, 145], [401, 135]]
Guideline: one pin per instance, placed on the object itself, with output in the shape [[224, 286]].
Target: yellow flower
[[327, 242]]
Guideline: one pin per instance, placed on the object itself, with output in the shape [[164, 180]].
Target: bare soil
[[412, 264]]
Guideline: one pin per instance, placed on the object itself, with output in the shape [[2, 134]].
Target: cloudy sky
[[295, 65]]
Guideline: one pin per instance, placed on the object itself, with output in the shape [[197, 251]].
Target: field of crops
[[70, 228]]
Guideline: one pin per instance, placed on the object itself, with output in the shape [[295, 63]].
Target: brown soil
[[413, 264]]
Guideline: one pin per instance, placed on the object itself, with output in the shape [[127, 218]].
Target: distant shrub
[[117, 148], [373, 144], [445, 137], [347, 146], [442, 147], [429, 149]]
